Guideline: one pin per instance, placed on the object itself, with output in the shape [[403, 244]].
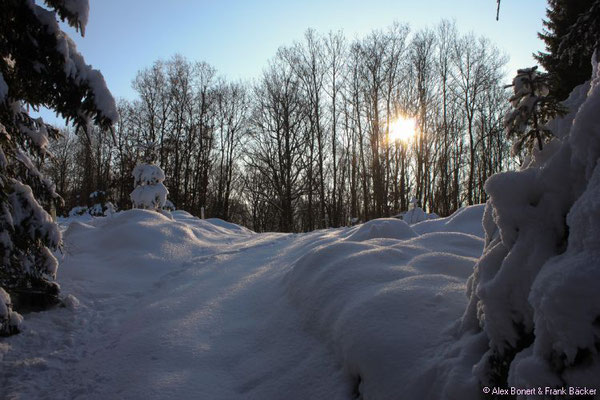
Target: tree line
[[308, 144]]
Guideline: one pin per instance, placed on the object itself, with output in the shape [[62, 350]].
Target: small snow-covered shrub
[[96, 210], [78, 210], [415, 214], [169, 206], [109, 209], [98, 200], [149, 192], [102, 207]]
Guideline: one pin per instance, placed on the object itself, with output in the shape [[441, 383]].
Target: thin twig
[[498, 10]]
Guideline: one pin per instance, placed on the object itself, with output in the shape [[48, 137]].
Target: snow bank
[[382, 296], [212, 225], [183, 307], [381, 228], [566, 305], [138, 246], [466, 220]]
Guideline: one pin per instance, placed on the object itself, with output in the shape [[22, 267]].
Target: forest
[[175, 215], [309, 143]]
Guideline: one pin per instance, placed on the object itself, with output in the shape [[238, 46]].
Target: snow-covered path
[[207, 329], [192, 309]]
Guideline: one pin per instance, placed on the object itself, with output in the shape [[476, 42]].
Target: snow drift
[[162, 308]]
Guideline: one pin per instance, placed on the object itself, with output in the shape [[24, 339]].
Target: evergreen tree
[[99, 204], [39, 66], [149, 191], [533, 107], [565, 72], [583, 36]]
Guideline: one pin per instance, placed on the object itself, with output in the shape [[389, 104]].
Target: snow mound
[[139, 246], [450, 242], [381, 228], [168, 308], [416, 215], [565, 301], [378, 307], [212, 225], [465, 219], [228, 225]]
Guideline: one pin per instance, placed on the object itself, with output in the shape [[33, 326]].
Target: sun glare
[[402, 129]]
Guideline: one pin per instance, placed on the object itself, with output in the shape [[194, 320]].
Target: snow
[[81, 10], [96, 210], [466, 220], [39, 225], [38, 136], [564, 297], [10, 321], [415, 214], [162, 308], [78, 210], [169, 206], [110, 209], [381, 228], [534, 296]]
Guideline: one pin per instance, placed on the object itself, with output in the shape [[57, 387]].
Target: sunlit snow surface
[[185, 308]]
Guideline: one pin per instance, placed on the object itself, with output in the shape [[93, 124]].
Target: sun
[[402, 129]]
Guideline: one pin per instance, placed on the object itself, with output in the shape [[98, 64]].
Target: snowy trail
[[220, 344], [203, 330], [193, 310]]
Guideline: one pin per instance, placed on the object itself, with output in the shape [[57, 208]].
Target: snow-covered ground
[[204, 309]]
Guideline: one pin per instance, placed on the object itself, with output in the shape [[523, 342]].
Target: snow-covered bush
[[381, 228], [149, 192], [100, 206], [96, 210], [415, 214], [39, 65], [169, 206], [109, 209], [534, 292], [78, 210], [97, 200]]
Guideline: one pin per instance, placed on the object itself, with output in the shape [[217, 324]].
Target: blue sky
[[238, 37]]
